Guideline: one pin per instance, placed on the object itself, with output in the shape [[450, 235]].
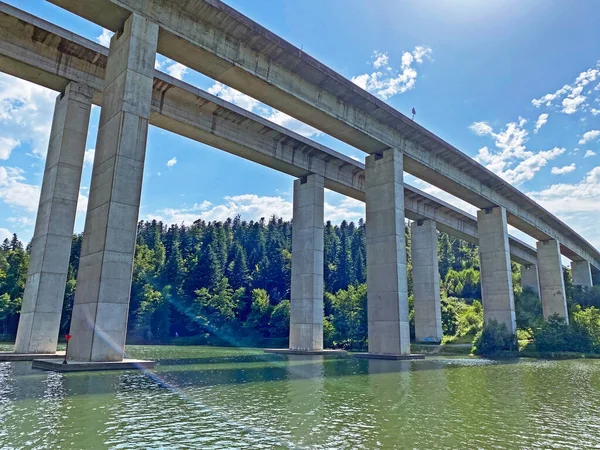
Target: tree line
[[229, 283]]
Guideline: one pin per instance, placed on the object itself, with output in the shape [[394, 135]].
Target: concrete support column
[[386, 255], [99, 322], [496, 274], [306, 305], [51, 245], [552, 283], [530, 278], [426, 281], [581, 271]]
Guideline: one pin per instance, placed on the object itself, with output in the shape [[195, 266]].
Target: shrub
[[589, 320], [528, 309], [494, 338], [556, 336]]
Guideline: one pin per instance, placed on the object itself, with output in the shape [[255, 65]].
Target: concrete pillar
[[581, 271], [426, 281], [387, 288], [496, 274], [306, 305], [530, 278], [51, 245], [99, 322], [552, 283]]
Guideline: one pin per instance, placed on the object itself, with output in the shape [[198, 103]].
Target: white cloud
[[577, 204], [589, 153], [542, 119], [380, 60], [15, 192], [572, 95], [171, 162], [589, 136], [5, 234], [176, 69], [7, 145], [26, 112], [386, 82], [563, 170], [513, 162], [104, 38], [595, 111], [88, 159]]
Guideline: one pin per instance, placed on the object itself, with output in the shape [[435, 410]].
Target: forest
[[229, 283]]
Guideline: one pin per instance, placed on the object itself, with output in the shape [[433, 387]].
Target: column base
[[12, 356], [289, 351], [388, 356], [85, 366]]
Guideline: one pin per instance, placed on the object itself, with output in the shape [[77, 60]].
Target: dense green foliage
[[493, 339], [229, 282]]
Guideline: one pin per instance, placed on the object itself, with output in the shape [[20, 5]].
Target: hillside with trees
[[229, 283]]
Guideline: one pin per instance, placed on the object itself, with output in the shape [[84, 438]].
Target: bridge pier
[[41, 310], [552, 283], [426, 281], [581, 271], [496, 275], [306, 305], [99, 322], [530, 278], [387, 290]]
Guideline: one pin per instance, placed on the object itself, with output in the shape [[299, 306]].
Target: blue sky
[[515, 84]]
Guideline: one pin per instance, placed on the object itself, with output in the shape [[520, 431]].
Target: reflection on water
[[209, 398]]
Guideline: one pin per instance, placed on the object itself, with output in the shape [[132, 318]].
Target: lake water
[[214, 398]]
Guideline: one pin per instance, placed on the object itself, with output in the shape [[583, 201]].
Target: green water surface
[[217, 398]]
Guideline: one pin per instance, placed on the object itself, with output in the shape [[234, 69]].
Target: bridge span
[[133, 94]]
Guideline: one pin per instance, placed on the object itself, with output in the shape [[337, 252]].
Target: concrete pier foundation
[[552, 283], [387, 290], [496, 274], [426, 281], [581, 271], [530, 278], [99, 322], [306, 305], [51, 245]]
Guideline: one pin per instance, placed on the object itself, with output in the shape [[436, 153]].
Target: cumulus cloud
[[5, 234], [577, 203], [14, 191], [589, 153], [26, 112], [88, 159], [563, 170], [571, 98], [105, 37], [171, 162], [255, 207], [175, 69], [386, 82], [7, 145], [589, 136], [511, 160], [542, 119]]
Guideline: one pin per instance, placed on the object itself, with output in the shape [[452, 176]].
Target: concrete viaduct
[[212, 38]]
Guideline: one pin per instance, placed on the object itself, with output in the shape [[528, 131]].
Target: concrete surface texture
[[306, 304], [581, 272], [530, 278], [51, 245], [552, 284], [426, 281], [387, 290], [99, 321], [496, 275]]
